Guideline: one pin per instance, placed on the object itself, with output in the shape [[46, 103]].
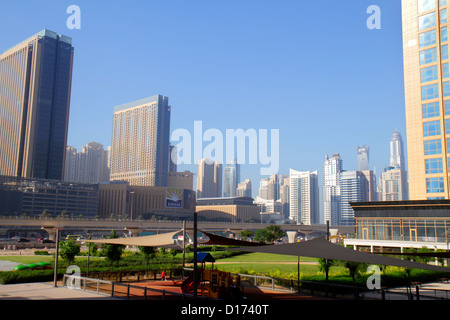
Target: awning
[[321, 248], [156, 240], [224, 241]]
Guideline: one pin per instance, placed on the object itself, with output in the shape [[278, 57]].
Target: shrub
[[41, 253]]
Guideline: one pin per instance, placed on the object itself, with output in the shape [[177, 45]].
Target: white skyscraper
[[397, 156], [304, 197], [231, 179], [363, 157], [352, 186], [331, 190]]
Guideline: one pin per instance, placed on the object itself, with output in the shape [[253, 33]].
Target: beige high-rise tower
[[427, 96], [140, 142], [209, 179]]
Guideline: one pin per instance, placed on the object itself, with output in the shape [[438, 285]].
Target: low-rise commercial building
[[234, 209], [395, 225]]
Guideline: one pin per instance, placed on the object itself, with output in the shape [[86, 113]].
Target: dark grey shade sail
[[321, 248]]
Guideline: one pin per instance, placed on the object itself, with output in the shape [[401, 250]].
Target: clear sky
[[311, 69]]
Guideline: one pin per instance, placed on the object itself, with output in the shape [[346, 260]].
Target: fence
[[122, 290]]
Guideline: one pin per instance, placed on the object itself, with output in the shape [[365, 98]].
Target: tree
[[269, 234], [246, 234], [353, 268], [149, 253], [68, 249], [113, 252]]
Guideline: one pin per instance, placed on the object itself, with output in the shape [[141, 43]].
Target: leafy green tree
[[149, 253], [354, 267], [113, 252], [269, 234], [68, 249], [173, 252], [425, 259], [246, 234]]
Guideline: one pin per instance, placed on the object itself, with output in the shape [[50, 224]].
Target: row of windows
[[425, 5], [431, 73], [429, 110]]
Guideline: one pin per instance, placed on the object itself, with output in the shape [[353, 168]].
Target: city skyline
[[278, 85]]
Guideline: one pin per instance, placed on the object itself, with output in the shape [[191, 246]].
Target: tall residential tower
[[427, 96], [140, 142], [35, 88]]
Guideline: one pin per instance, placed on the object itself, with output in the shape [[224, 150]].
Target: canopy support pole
[[195, 255]]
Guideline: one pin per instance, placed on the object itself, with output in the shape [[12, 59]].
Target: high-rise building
[[88, 166], [331, 190], [140, 142], [231, 179], [35, 88], [209, 179], [352, 186], [397, 158], [393, 184], [244, 189], [427, 88], [363, 158], [304, 197], [284, 196]]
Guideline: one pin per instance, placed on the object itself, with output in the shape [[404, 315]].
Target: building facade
[[331, 189], [209, 179], [363, 157], [245, 189], [35, 88], [34, 197], [88, 166], [121, 200], [352, 190], [140, 142], [304, 197], [231, 179], [394, 225], [427, 93], [233, 209]]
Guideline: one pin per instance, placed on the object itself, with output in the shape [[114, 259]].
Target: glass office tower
[[35, 87], [427, 96]]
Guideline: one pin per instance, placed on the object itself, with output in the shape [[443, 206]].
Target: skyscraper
[[363, 158], [245, 189], [35, 88], [88, 166], [397, 158], [427, 89], [231, 179], [331, 189], [209, 179], [352, 186], [304, 197], [140, 142]]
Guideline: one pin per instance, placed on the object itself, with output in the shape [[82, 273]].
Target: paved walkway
[[45, 291]]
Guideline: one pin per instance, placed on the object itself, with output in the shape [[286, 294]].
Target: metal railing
[[122, 290]]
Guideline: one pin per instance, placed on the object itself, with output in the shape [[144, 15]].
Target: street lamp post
[[55, 271]]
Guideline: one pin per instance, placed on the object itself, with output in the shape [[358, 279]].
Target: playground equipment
[[212, 283]]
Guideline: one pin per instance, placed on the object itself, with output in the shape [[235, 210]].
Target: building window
[[444, 34], [432, 128], [447, 126], [442, 3], [443, 16], [433, 147], [425, 5], [427, 38], [447, 107], [435, 185], [434, 166], [427, 21], [445, 71], [428, 56], [444, 52], [446, 88], [430, 92], [429, 74], [430, 110]]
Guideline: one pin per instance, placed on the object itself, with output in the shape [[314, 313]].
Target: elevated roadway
[[135, 227]]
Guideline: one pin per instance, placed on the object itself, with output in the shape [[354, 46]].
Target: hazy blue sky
[[311, 69]]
